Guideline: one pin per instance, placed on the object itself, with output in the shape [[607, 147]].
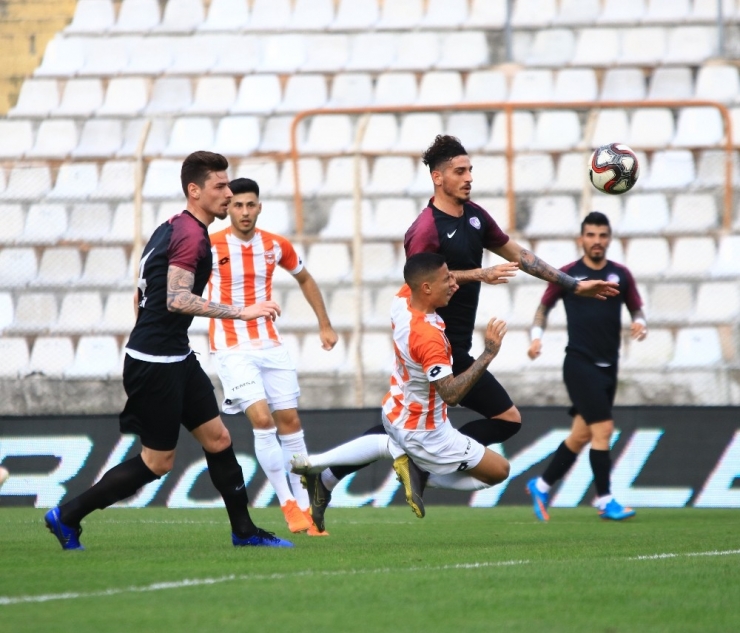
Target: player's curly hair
[[444, 148], [198, 165]]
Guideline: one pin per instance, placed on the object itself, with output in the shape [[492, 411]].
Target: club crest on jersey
[[475, 222], [270, 257], [613, 277]]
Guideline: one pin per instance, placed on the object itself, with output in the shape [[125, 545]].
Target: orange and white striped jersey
[[423, 355], [242, 275]]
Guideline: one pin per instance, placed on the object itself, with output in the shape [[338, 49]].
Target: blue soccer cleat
[[616, 512], [540, 500], [261, 538], [68, 537]]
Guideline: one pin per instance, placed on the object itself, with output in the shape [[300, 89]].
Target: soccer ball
[[613, 168]]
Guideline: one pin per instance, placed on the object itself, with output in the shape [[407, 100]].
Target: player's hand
[[268, 309], [597, 289], [499, 274], [535, 349], [328, 337], [638, 331], [495, 332]]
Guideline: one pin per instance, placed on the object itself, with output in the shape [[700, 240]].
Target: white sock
[[361, 450], [270, 457], [293, 444], [542, 485], [329, 480], [455, 481], [602, 502]]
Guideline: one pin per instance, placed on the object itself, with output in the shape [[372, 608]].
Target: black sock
[[342, 471], [601, 465], [117, 484], [560, 464], [489, 431], [227, 477]]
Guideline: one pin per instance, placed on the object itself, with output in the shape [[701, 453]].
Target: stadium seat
[[692, 256], [258, 94], [213, 95], [490, 176], [18, 267], [51, 355], [693, 214], [35, 313], [377, 313], [296, 313], [37, 98], [532, 85], [89, 222], [310, 173], [14, 219], [572, 172], [167, 209], [378, 356], [596, 47], [264, 171], [577, 12], [654, 352], [356, 15], [696, 347], [329, 262], [314, 359], [181, 16], [610, 124], [671, 83], [494, 301], [60, 266], [270, 15], [116, 181], [137, 16], [718, 83], [312, 15], [623, 84], [27, 183], [163, 179], [644, 214], [667, 11], [237, 136], [575, 84], [349, 90], [622, 11], [533, 172], [340, 176], [304, 92], [418, 50], [226, 15], [188, 135], [390, 175], [711, 170], [170, 95], [107, 56], [651, 128], [526, 298], [81, 97], [401, 15], [381, 133], [444, 14], [717, 302], [237, 54], [372, 51], [156, 140], [118, 314], [698, 127], [690, 45], [534, 13], [553, 348], [14, 351], [417, 131], [17, 138], [75, 181], [553, 215], [422, 184], [100, 138], [706, 10], [97, 357], [471, 126], [80, 313], [671, 303], [557, 252], [283, 53], [487, 14], [557, 131], [197, 54], [276, 135], [329, 134], [440, 88], [153, 56], [551, 47], [727, 263], [484, 86], [342, 307], [276, 218], [522, 130], [497, 208], [392, 217], [63, 57], [122, 226], [326, 53], [105, 266], [395, 89], [643, 46], [671, 169], [647, 256], [464, 50], [55, 138], [45, 224], [92, 17], [380, 263]]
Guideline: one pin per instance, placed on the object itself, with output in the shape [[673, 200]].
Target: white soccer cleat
[[4, 474], [300, 464]]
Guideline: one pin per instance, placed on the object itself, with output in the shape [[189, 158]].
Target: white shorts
[[441, 451], [249, 376]]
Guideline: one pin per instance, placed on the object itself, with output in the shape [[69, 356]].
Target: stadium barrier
[[663, 457]]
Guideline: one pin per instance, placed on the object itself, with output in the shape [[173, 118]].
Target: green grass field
[[459, 569]]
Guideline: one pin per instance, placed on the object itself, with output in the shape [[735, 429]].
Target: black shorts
[[161, 396], [591, 388], [487, 396]]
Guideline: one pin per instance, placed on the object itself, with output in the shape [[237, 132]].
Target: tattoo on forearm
[[540, 316], [533, 265], [180, 297], [452, 389]]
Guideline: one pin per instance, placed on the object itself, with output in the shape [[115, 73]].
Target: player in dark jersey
[[164, 382], [590, 366], [460, 230]]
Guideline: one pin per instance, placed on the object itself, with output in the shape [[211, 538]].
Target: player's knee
[[159, 463], [217, 441], [511, 414]]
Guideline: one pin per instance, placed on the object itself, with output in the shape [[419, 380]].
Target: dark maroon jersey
[[181, 241], [461, 242], [594, 326]]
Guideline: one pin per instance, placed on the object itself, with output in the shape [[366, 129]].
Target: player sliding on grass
[[427, 449], [164, 382]]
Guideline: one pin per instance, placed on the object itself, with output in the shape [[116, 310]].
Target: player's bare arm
[[638, 329], [533, 265], [452, 389], [538, 329], [492, 275], [180, 298], [310, 290]]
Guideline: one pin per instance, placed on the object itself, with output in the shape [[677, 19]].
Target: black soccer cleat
[[320, 497], [414, 479]]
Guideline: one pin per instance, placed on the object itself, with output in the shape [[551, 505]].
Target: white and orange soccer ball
[[613, 168]]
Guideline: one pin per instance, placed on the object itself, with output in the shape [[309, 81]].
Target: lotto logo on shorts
[[462, 466]]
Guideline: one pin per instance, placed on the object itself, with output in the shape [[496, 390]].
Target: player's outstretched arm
[[310, 290], [538, 329], [493, 275], [180, 298], [452, 389]]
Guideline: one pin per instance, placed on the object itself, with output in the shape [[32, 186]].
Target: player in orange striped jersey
[[255, 369]]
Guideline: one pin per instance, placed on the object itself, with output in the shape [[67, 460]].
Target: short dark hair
[[597, 218], [444, 148], [421, 267], [198, 166], [244, 185]]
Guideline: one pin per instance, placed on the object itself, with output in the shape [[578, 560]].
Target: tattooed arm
[[452, 389], [180, 298]]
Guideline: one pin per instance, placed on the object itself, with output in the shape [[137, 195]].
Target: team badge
[[270, 257], [475, 222], [613, 277]]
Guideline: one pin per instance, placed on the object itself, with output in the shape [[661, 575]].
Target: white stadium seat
[[417, 51], [557, 252], [533, 172], [188, 135], [283, 53], [36, 313], [622, 11], [226, 15], [692, 256], [717, 302], [264, 171], [45, 224], [181, 16], [391, 175], [60, 266], [14, 351], [381, 133], [557, 131], [572, 172], [116, 181], [611, 123], [671, 302], [304, 92], [37, 98], [711, 169], [329, 134], [63, 57], [596, 47], [315, 359], [690, 45], [270, 15], [349, 90], [581, 12], [329, 262], [728, 257], [380, 263], [51, 355], [471, 126], [153, 55], [237, 54], [522, 131], [553, 215], [342, 307], [55, 138], [575, 84], [395, 89], [487, 14], [312, 15], [258, 94], [89, 222], [698, 127], [118, 315], [163, 179], [311, 175], [75, 181], [170, 95], [483, 86], [213, 95], [18, 267], [654, 352], [696, 347], [440, 88], [17, 138], [107, 56], [122, 226], [105, 266], [377, 353], [276, 135], [100, 138], [340, 176], [647, 256], [552, 47], [326, 53], [237, 136], [532, 85], [534, 13], [464, 50], [489, 178], [97, 357], [669, 82], [80, 312], [623, 84], [372, 51], [718, 83], [356, 15], [392, 217], [92, 17], [401, 14], [445, 14], [643, 46], [81, 97], [644, 214], [692, 213], [667, 11], [27, 183], [651, 128], [671, 169], [14, 219], [417, 131], [137, 16]]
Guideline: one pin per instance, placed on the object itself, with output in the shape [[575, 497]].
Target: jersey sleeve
[[494, 237], [187, 244], [427, 347], [422, 235], [553, 292], [632, 298], [290, 260]]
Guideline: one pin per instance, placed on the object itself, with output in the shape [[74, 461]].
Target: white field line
[[196, 582], [728, 552]]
